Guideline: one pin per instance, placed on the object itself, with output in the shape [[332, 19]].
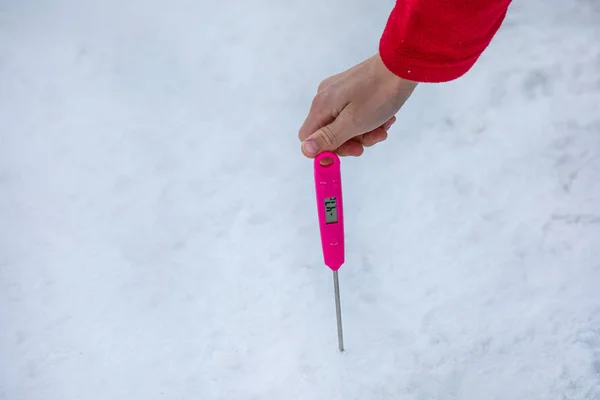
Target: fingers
[[352, 148], [355, 147], [389, 123], [376, 135], [323, 111], [329, 137], [372, 138], [338, 136]]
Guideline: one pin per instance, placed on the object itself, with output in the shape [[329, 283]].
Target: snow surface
[[159, 234]]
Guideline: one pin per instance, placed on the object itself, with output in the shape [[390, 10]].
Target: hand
[[354, 109]]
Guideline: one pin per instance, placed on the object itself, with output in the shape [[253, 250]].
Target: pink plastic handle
[[328, 185]]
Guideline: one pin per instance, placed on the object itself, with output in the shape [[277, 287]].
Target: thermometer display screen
[[331, 215]]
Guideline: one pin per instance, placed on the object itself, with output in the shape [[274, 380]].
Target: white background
[[158, 227]]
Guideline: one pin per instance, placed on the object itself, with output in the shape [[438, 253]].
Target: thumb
[[328, 138]]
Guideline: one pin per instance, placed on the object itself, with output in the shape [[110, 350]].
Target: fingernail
[[389, 124], [310, 148]]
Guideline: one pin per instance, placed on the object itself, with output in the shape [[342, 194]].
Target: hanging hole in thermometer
[[326, 161], [328, 187]]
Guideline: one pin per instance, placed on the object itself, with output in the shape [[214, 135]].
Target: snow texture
[[158, 228]]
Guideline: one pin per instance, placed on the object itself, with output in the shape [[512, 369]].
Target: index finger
[[318, 117]]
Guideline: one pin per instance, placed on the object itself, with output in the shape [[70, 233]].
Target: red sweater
[[439, 40]]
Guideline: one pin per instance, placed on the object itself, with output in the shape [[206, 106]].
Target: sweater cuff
[[438, 40], [415, 70]]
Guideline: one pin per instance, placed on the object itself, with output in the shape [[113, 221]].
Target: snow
[[158, 233]]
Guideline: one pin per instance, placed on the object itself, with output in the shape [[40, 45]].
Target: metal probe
[[338, 310]]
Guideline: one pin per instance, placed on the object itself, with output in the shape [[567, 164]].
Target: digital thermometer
[[328, 187]]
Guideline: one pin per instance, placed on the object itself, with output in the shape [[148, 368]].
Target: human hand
[[354, 109]]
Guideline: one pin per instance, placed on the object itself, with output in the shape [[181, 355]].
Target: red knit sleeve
[[439, 40]]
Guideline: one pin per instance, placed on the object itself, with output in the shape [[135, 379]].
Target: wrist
[[400, 84]]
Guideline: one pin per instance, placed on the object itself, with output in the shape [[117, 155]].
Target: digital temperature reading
[[331, 216]]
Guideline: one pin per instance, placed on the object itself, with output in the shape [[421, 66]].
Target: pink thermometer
[[328, 185]]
